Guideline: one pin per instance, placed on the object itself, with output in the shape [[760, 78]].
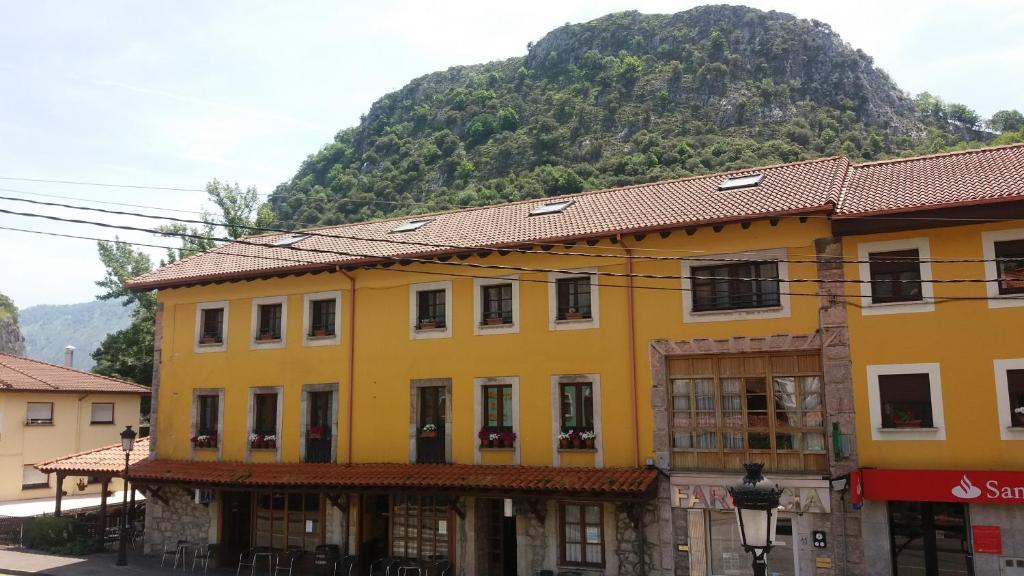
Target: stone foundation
[[180, 519]]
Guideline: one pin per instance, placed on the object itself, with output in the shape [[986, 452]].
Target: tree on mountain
[[1006, 121], [128, 353]]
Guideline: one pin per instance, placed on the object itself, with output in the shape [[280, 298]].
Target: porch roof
[[104, 461], [620, 482]]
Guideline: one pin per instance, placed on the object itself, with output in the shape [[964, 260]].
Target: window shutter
[[102, 412], [31, 477], [39, 411]]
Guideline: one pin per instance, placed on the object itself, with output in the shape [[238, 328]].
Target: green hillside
[[48, 329], [622, 99]]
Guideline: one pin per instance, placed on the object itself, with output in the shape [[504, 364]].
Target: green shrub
[[58, 535]]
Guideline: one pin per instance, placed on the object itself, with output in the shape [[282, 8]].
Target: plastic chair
[[291, 555], [204, 557], [176, 552]]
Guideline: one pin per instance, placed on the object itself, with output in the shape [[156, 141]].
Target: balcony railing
[[318, 449]]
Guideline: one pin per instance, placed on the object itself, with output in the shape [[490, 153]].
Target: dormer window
[[410, 226], [736, 182], [551, 207]]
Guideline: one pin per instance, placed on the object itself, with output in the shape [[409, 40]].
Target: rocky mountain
[[622, 99], [49, 328], [11, 340]]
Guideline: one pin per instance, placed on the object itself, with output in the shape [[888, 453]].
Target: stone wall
[[180, 519], [632, 544]]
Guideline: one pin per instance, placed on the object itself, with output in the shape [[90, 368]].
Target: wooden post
[[60, 492], [101, 523]]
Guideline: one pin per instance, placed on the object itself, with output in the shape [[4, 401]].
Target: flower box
[[315, 433], [319, 333], [265, 337], [426, 325], [204, 441], [209, 340], [496, 321]]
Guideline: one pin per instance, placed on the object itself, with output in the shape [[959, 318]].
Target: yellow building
[[553, 353], [49, 411], [570, 384], [938, 364]]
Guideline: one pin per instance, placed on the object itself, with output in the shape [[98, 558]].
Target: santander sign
[[981, 487]]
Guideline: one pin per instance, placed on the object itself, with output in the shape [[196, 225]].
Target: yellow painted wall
[[71, 432], [963, 336], [387, 359]]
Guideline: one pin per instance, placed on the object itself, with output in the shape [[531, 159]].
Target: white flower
[[1019, 410], [494, 437], [588, 435], [253, 436], [270, 438], [564, 435], [429, 428]]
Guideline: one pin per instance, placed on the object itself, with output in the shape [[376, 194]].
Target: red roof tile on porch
[[612, 481], [108, 459]]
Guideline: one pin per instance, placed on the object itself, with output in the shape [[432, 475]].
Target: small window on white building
[[39, 413], [102, 413], [32, 478]]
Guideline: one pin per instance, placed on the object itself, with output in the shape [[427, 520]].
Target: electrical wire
[[313, 233], [406, 260]]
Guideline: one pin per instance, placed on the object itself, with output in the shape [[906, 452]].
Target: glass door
[[318, 433], [929, 539], [430, 435]]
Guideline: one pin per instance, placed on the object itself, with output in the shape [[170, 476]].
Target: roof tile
[[20, 374], [98, 460]]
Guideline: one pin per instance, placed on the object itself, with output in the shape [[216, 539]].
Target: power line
[[406, 260], [759, 257], [103, 184], [842, 297]]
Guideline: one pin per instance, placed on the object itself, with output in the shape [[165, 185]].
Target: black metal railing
[[318, 449]]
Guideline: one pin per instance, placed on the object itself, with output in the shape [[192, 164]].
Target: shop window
[[1015, 390], [728, 557], [321, 318], [287, 520], [733, 409], [39, 413], [905, 400], [732, 286], [496, 304], [419, 527], [582, 534], [212, 328], [430, 309], [573, 298], [32, 478], [895, 276], [1010, 266], [102, 413]]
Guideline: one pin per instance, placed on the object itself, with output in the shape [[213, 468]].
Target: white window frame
[[254, 329], [307, 319], [251, 419], [485, 329], [204, 348], [219, 393], [927, 302], [988, 240], [556, 417], [478, 411], [783, 310], [414, 290], [92, 414], [595, 301], [1006, 430], [938, 429]]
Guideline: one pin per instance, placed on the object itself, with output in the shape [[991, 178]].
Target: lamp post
[[127, 443], [757, 501]]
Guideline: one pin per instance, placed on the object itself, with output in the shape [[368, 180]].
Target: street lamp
[[127, 443], [757, 501]]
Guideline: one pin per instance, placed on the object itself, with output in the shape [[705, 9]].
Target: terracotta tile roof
[[786, 189], [958, 178], [20, 374], [611, 481], [98, 460]]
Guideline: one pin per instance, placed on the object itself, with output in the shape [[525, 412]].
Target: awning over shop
[[624, 483], [969, 486]]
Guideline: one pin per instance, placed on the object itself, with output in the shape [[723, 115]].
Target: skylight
[[551, 207], [741, 182], [289, 239], [410, 225]]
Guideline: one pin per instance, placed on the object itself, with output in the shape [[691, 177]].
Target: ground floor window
[[929, 538], [728, 557], [288, 519], [419, 527], [582, 534]]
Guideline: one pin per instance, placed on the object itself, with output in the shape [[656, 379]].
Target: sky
[[176, 94]]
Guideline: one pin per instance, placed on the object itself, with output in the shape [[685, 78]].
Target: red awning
[[621, 482], [974, 486]]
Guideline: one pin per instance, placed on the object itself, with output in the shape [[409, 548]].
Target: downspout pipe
[[631, 329], [351, 358]]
